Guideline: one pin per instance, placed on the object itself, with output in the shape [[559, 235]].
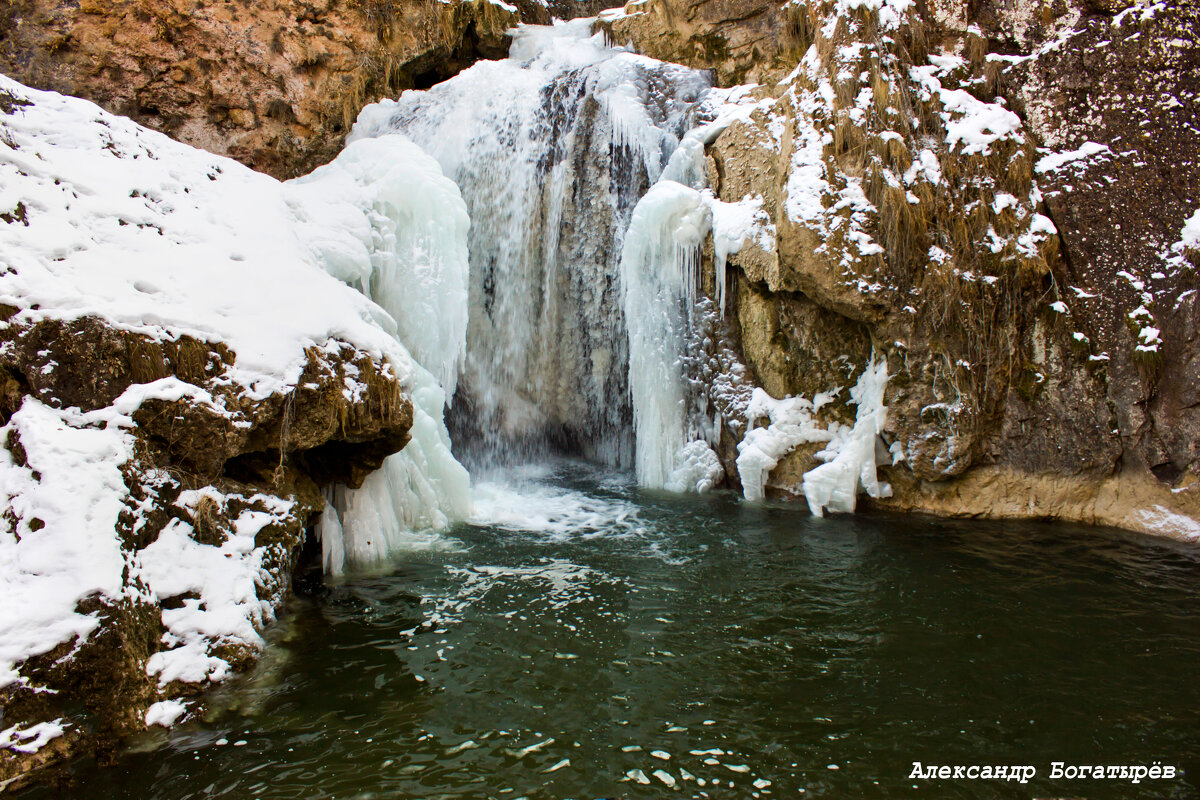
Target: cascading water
[[559, 323], [552, 148]]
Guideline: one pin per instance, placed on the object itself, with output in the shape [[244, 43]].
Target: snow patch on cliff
[[58, 544]]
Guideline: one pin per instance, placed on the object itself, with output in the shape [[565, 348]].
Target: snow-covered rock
[[183, 360]]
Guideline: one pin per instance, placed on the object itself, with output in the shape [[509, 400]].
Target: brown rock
[[275, 84], [234, 455], [990, 390], [738, 39]]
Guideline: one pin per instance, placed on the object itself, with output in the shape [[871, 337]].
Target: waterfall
[[533, 227], [552, 149]]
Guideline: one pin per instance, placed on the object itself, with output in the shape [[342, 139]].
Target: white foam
[[555, 512]]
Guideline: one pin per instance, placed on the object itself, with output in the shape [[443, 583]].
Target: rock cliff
[[1002, 200], [274, 84]]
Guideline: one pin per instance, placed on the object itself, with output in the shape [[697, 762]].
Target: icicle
[[659, 270]]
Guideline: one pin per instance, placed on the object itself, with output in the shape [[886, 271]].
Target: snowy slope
[[117, 221], [100, 217]]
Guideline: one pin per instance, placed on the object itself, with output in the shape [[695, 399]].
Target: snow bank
[[226, 588], [104, 218], [153, 236]]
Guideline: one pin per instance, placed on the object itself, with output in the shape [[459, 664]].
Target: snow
[[810, 195], [891, 13], [1190, 238], [1086, 153], [31, 739], [1189, 244], [226, 606], [157, 237], [976, 125], [165, 713], [1165, 522], [971, 124], [733, 225], [72, 484]]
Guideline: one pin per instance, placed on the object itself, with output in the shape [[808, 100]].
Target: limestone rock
[[737, 39], [274, 84], [234, 481], [1027, 279]]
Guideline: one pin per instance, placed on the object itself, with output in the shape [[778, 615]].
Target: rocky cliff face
[[273, 84], [1000, 199], [213, 503]]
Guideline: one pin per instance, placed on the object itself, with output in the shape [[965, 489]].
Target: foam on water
[[555, 512]]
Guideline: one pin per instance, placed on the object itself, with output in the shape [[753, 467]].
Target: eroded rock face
[[993, 197], [211, 483], [740, 40], [274, 84]]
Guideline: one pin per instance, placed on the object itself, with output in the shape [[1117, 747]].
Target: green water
[[755, 647]]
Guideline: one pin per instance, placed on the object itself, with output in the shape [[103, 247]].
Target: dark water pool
[[606, 643]]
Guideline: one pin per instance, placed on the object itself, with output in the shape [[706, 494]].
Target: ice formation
[[401, 239], [660, 265], [659, 268], [551, 148], [578, 302], [849, 453]]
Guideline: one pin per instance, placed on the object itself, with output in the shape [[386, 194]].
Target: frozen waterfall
[[551, 148], [534, 227], [407, 250]]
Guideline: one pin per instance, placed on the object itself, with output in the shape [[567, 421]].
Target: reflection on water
[[592, 640]]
